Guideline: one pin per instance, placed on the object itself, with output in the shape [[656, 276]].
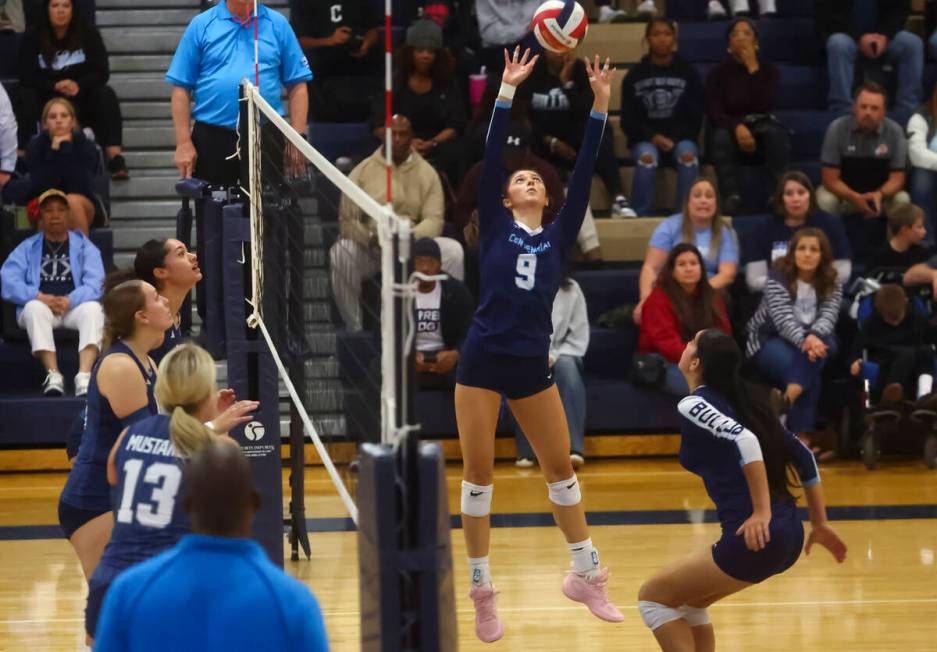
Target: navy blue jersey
[[521, 269], [171, 339], [87, 486], [147, 499], [715, 447]]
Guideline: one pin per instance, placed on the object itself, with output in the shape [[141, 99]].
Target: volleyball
[[559, 25]]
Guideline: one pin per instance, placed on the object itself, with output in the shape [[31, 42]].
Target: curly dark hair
[[443, 67]]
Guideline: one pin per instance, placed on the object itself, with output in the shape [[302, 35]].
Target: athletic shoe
[[593, 593], [621, 208], [609, 15], [715, 10], [577, 459], [54, 384], [82, 379], [117, 166], [524, 463], [647, 8], [488, 627]]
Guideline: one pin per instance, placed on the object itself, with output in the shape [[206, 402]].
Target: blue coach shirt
[[217, 51], [210, 594]]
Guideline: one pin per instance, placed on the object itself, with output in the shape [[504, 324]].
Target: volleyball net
[[329, 291]]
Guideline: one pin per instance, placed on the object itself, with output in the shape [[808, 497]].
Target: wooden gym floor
[[884, 598]]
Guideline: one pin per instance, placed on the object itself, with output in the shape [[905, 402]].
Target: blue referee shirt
[[209, 594], [217, 51]]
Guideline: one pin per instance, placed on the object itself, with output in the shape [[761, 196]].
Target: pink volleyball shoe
[[593, 593], [488, 627]]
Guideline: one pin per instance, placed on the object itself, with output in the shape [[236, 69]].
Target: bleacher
[[141, 36]]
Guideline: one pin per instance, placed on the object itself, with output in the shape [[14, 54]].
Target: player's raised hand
[[518, 67], [600, 78]]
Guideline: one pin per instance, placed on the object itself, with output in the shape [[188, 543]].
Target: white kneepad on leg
[[565, 493], [694, 616], [655, 614], [476, 499]]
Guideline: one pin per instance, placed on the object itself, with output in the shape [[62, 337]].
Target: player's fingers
[[605, 67], [517, 54], [533, 61], [506, 59]]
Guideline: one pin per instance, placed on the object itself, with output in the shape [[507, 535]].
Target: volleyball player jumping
[[506, 350], [733, 440]]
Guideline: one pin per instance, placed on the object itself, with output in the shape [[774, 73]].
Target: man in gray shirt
[[864, 159]]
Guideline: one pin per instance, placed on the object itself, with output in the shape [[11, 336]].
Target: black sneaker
[[117, 166]]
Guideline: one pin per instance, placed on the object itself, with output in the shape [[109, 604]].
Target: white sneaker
[[715, 10], [524, 463], [577, 460], [647, 8], [54, 384], [82, 379], [609, 15], [621, 208]]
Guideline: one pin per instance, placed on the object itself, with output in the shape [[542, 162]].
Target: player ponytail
[[721, 360], [185, 381]]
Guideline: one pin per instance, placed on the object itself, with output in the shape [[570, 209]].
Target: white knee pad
[[694, 616], [655, 614], [476, 499], [565, 493]]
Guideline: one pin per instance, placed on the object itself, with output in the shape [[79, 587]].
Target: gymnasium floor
[[884, 598]]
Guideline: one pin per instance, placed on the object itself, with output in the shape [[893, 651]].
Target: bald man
[[418, 196], [216, 590]]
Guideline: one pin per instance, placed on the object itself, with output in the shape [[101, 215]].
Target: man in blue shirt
[[216, 590], [216, 52]]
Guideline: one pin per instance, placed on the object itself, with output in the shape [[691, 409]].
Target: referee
[[216, 52]]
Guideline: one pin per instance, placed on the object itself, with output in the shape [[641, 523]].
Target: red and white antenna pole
[[388, 96]]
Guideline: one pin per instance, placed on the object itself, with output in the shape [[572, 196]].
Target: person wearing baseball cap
[[54, 278]]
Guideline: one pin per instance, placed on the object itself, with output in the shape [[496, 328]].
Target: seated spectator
[[875, 30], [426, 91], [608, 14], [60, 157], [459, 31], [791, 336], [443, 316], [54, 278], [699, 224], [795, 207], [864, 157], [7, 139], [922, 150], [559, 97], [340, 38], [568, 346], [254, 604], [903, 249], [65, 57], [897, 340], [682, 304], [741, 93], [418, 196], [502, 25], [661, 114], [923, 274]]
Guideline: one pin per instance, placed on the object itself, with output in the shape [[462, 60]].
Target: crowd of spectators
[[877, 155]]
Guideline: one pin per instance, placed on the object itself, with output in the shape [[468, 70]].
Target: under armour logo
[[475, 494], [514, 141]]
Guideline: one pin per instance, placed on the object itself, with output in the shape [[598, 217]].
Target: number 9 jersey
[[521, 268]]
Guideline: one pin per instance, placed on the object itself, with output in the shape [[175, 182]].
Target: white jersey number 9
[[526, 271]]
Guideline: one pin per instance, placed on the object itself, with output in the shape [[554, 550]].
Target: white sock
[[925, 385], [479, 571], [585, 558]]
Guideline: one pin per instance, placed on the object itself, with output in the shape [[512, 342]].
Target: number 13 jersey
[[147, 499], [521, 268]]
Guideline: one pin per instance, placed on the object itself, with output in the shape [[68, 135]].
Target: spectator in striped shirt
[[791, 336]]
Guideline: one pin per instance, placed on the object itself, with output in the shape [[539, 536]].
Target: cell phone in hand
[[355, 41]]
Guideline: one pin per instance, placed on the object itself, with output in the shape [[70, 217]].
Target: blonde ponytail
[[185, 380]]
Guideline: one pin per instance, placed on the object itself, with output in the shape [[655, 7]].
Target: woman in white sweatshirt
[[922, 148], [567, 348]]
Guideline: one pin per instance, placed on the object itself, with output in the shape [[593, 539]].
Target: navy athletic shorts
[[72, 518], [734, 558], [511, 376]]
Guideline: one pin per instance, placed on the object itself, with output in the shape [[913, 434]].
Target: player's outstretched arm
[[580, 183], [517, 68]]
